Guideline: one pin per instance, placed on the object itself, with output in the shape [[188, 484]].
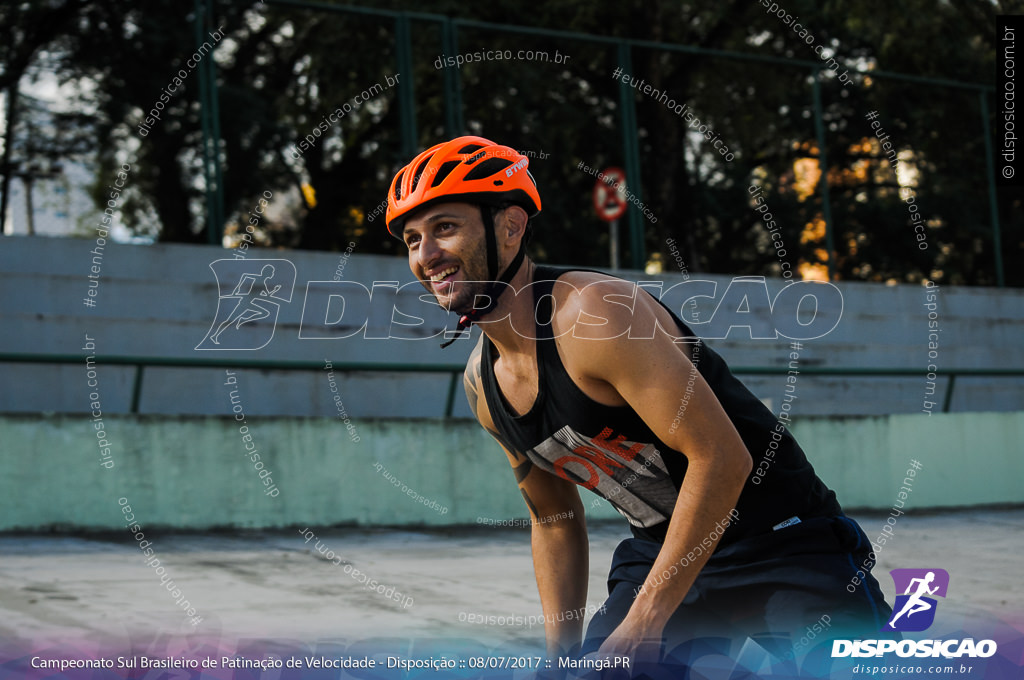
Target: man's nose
[[428, 252]]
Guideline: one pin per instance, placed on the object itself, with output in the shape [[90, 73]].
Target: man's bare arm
[[561, 552], [561, 556], [648, 375]]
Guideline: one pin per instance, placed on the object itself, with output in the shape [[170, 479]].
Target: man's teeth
[[440, 275]]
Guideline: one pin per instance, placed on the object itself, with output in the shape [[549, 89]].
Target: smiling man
[[581, 378]]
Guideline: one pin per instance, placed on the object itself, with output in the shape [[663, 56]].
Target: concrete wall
[[160, 301], [195, 472]]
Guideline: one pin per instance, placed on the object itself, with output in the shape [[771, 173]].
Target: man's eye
[[409, 242]]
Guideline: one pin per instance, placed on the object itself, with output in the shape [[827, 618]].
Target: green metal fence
[[455, 370], [450, 29]]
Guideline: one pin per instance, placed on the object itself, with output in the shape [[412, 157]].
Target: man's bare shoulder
[[473, 363], [580, 279], [471, 381], [594, 306]]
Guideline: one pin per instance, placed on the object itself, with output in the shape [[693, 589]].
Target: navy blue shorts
[[776, 587]]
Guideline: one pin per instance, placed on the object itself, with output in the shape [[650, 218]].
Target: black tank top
[[612, 452]]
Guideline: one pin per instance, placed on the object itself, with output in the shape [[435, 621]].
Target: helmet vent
[[470, 148], [419, 172], [443, 172], [491, 166], [398, 186], [474, 158]]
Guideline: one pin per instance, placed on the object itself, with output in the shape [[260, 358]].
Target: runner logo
[[914, 609], [250, 293]]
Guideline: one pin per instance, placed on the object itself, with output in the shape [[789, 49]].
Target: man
[[580, 377]]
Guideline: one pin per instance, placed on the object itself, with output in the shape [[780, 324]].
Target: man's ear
[[515, 222]]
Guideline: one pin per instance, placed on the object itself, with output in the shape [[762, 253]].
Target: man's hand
[[629, 639]]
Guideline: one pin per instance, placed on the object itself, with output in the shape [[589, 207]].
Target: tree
[[282, 71], [30, 28]]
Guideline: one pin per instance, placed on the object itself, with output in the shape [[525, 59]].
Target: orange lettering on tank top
[[588, 455], [615, 445]]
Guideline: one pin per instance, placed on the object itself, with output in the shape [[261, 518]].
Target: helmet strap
[[494, 289], [492, 241]]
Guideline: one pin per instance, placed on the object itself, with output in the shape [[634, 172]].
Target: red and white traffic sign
[[610, 194]]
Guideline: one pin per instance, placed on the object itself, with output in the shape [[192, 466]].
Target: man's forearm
[[709, 493], [561, 559]]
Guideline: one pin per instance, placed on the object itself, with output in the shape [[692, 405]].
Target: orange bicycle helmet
[[468, 169]]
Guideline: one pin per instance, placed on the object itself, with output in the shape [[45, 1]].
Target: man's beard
[[464, 301], [464, 293]]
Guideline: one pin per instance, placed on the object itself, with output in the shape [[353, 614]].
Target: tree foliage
[[281, 70]]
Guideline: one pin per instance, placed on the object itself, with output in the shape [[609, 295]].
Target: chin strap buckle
[[464, 323]]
